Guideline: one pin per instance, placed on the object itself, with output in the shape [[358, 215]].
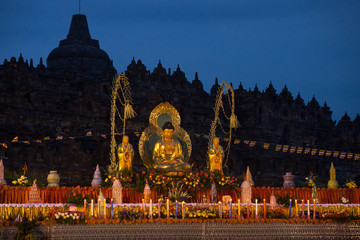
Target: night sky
[[311, 46]]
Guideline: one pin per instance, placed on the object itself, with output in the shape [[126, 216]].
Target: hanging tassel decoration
[[234, 123]]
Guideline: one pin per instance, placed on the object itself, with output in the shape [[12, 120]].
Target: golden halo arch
[[164, 112]]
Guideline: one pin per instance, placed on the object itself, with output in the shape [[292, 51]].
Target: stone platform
[[209, 230]]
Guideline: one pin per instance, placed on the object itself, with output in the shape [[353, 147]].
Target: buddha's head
[[125, 140], [168, 130], [216, 141]]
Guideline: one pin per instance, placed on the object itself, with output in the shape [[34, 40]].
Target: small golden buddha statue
[[125, 152], [168, 153], [216, 156]]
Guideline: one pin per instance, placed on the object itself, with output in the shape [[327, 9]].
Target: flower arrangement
[[350, 183], [125, 177], [278, 213], [227, 182], [177, 193], [140, 181], [160, 182], [77, 198], [202, 213], [310, 180], [128, 213], [192, 180], [22, 181], [343, 200], [69, 217], [285, 200]]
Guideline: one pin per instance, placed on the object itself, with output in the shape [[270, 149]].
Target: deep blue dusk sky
[[311, 46]]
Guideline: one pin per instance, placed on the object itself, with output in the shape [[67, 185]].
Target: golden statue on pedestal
[[168, 154], [216, 156], [125, 153], [164, 145]]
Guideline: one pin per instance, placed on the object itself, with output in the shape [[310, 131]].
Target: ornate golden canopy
[[162, 113]]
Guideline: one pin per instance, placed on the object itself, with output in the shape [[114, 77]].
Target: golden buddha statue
[[125, 152], [216, 156], [168, 153]]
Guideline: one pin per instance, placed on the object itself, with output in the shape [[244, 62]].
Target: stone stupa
[[117, 191]]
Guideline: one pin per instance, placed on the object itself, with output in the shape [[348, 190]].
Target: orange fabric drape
[[10, 194]]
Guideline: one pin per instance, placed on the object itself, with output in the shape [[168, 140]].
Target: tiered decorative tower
[[34, 194], [288, 180]]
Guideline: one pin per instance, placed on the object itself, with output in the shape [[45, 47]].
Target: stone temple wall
[[36, 102]]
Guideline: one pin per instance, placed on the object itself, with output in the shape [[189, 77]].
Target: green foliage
[[25, 230], [140, 181], [285, 200]]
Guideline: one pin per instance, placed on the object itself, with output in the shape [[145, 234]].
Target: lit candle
[[220, 210], [176, 209], [303, 209], [308, 205], [239, 208], [248, 209], [314, 210], [256, 208], [159, 209], [99, 208], [264, 208], [183, 209], [104, 208], [112, 208], [84, 207], [143, 208], [92, 208], [290, 208], [151, 217], [296, 208], [230, 208], [168, 208]]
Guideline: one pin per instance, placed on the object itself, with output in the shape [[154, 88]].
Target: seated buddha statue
[[125, 152], [168, 153], [216, 156]]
